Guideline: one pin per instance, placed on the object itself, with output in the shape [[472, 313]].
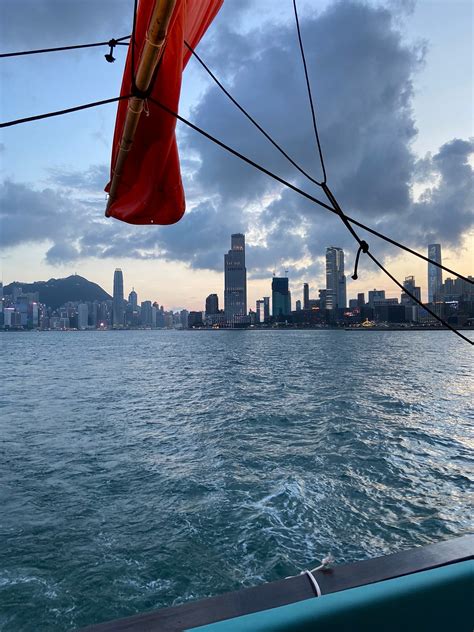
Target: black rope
[[249, 116], [417, 300], [118, 40], [310, 96], [77, 108], [363, 245], [304, 194]]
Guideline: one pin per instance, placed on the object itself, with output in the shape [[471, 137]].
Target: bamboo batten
[[149, 58]]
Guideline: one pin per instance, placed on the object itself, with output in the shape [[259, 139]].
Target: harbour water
[[142, 469]]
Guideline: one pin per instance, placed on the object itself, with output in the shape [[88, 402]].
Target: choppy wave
[[143, 469]]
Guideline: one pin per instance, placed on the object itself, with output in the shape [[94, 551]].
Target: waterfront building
[[305, 296], [8, 316], [322, 299], [266, 308], [411, 307], [146, 314], [235, 281], [183, 317], [212, 304], [361, 299], [281, 298], [118, 311], [375, 295], [353, 303], [195, 319], [82, 316], [335, 279], [259, 312], [435, 274], [410, 285], [298, 306]]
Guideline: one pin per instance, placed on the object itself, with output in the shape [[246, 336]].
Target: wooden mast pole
[[149, 58]]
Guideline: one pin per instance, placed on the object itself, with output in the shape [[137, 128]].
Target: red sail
[[150, 189]]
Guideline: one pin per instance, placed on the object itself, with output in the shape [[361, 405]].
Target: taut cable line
[[77, 108], [115, 41]]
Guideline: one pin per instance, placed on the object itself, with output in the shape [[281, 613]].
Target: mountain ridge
[[56, 292]]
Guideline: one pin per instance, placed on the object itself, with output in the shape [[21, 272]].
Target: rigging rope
[[77, 108], [249, 116], [112, 42], [363, 245], [307, 196], [310, 96]]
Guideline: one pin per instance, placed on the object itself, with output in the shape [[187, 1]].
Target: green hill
[[56, 292]]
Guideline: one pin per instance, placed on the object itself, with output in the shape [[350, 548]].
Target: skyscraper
[[335, 279], [235, 281], [118, 311], [266, 308], [133, 299], [281, 299], [212, 304], [435, 274], [305, 296]]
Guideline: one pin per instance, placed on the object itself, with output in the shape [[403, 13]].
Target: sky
[[393, 85]]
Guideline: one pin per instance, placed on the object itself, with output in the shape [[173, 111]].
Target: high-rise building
[[235, 281], [435, 274], [133, 300], [146, 314], [335, 279], [266, 308], [361, 299], [375, 295], [259, 309], [281, 298], [82, 316], [118, 311], [212, 304], [305, 296], [411, 306], [410, 285], [298, 306]]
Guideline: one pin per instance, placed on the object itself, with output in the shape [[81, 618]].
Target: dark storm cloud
[[27, 215], [362, 76], [446, 209], [93, 179]]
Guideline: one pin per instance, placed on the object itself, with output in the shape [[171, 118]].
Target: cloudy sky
[[394, 92]]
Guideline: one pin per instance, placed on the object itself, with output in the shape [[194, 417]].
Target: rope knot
[[363, 247], [110, 56]]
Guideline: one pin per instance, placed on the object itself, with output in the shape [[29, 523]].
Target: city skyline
[[24, 308], [235, 283]]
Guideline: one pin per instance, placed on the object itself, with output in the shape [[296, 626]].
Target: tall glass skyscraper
[[305, 296], [235, 281], [435, 274], [281, 298], [335, 279], [118, 311]]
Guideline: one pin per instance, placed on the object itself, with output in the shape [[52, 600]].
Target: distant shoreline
[[352, 329]]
